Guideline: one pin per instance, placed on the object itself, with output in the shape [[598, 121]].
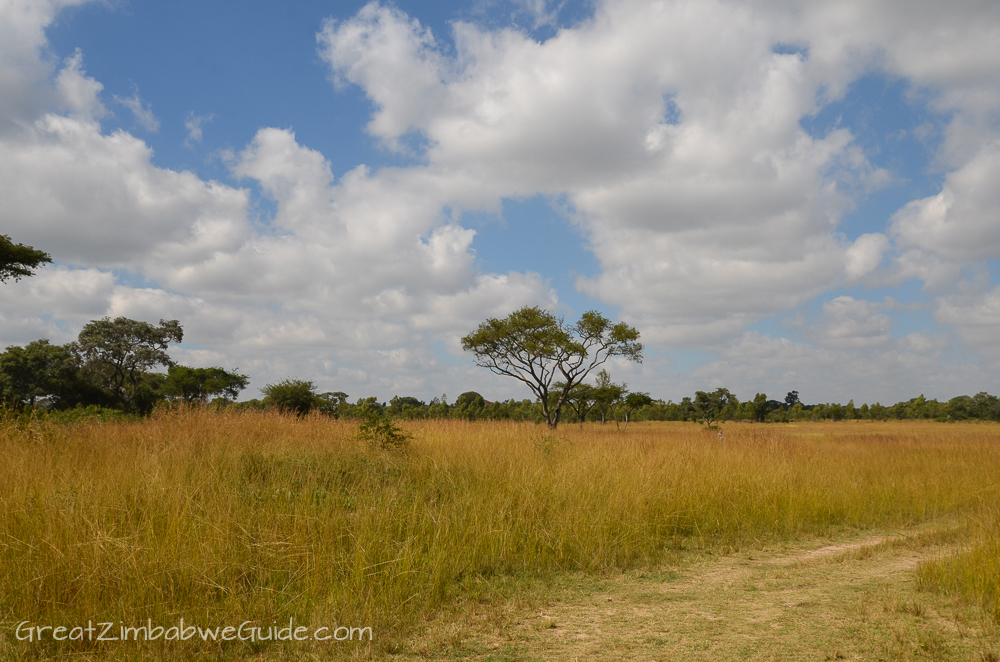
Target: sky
[[778, 194]]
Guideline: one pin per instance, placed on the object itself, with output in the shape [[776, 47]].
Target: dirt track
[[852, 598]]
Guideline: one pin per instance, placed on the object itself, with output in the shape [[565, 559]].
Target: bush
[[381, 433], [291, 395]]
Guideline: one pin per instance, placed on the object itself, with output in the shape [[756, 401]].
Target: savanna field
[[221, 518]]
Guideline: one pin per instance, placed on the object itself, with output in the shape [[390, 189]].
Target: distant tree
[[291, 395], [117, 354], [582, 398], [18, 260], [537, 348], [986, 406], [759, 407], [38, 371], [792, 399], [607, 394], [333, 403], [630, 403], [201, 384], [710, 405], [469, 405]]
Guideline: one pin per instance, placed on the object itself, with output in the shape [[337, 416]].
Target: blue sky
[[779, 195]]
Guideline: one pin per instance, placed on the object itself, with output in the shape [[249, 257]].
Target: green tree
[[333, 403], [607, 394], [760, 407], [710, 405], [291, 395], [200, 384], [38, 371], [630, 403], [537, 348], [117, 354], [469, 405], [582, 398], [18, 260]]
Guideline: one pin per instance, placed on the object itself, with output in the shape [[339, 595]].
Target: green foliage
[[535, 347], [633, 402], [200, 384], [333, 403], [117, 354], [38, 372], [710, 405], [18, 260], [380, 432], [759, 408], [607, 394], [582, 398], [88, 413], [291, 395]]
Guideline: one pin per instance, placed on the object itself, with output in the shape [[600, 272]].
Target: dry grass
[[221, 518]]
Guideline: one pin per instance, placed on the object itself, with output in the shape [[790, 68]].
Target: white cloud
[[961, 223], [194, 125], [143, 113], [671, 131], [853, 324], [975, 317], [78, 91], [393, 58], [865, 255]]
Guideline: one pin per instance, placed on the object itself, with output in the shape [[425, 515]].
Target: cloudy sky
[[779, 194]]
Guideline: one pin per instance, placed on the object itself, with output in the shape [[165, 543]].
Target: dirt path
[[855, 599]]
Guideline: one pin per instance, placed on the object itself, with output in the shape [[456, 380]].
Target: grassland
[[222, 518]]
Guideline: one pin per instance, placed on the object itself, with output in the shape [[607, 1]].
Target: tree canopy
[[39, 371], [116, 354], [537, 348], [710, 405], [18, 260], [292, 395], [200, 384]]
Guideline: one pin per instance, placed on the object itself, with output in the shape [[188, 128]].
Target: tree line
[[118, 364], [123, 365]]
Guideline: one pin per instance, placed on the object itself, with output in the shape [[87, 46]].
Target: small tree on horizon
[[710, 405], [534, 346]]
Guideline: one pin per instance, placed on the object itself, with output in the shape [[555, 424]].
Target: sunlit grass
[[227, 517]]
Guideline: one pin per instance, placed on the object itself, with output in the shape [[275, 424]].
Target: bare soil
[[855, 597]]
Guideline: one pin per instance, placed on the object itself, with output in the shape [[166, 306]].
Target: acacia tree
[[710, 405], [18, 260], [630, 403], [116, 354], [537, 348]]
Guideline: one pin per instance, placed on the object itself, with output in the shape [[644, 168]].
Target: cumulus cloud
[[961, 223], [96, 199], [976, 320], [697, 189], [671, 133]]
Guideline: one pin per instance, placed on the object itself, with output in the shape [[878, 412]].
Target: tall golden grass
[[223, 517]]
